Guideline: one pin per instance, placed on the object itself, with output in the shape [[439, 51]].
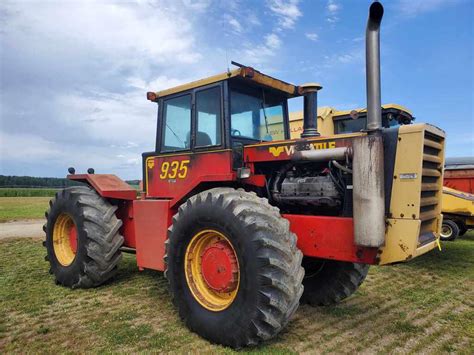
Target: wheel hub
[[212, 270], [219, 267], [65, 239]]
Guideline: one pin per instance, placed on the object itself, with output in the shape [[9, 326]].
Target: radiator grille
[[431, 181]]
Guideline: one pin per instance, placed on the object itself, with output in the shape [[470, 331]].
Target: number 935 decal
[[174, 169]]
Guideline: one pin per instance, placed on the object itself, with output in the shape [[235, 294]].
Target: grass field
[[425, 305], [15, 208], [27, 192]]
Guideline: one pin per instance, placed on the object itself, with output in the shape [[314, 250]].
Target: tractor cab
[[239, 107]]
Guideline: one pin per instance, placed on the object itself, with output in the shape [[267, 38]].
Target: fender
[[107, 185]]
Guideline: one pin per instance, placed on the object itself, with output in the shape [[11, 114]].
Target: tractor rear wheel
[[329, 281], [82, 238], [449, 230], [233, 267]]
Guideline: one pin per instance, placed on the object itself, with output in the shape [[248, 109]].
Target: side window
[[208, 114], [177, 123]]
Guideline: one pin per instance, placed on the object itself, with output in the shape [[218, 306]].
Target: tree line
[[46, 182]]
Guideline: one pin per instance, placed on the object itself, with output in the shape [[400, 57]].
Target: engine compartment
[[309, 188]]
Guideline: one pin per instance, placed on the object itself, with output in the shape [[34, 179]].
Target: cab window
[[177, 123], [208, 115], [256, 115]]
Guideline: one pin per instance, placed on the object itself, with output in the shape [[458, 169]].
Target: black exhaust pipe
[[310, 111], [372, 70]]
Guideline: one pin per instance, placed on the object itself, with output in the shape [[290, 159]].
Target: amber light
[[151, 96]]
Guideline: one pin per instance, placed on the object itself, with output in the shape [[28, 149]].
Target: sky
[[74, 74]]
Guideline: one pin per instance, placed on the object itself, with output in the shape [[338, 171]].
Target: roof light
[[151, 96]]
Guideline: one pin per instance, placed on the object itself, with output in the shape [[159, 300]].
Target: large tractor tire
[[449, 230], [233, 267], [328, 282], [82, 238]]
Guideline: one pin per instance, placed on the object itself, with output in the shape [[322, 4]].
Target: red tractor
[[235, 212]]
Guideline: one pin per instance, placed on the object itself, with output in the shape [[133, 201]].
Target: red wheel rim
[[219, 267]]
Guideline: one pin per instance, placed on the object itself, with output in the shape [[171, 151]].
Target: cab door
[[190, 148]]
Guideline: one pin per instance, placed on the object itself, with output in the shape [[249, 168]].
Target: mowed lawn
[[15, 208], [425, 305]]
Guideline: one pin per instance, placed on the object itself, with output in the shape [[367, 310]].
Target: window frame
[[194, 119], [163, 129], [247, 140], [159, 148]]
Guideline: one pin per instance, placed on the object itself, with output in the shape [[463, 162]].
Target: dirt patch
[[31, 228]]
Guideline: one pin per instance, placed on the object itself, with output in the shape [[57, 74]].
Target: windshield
[[257, 115], [359, 124]]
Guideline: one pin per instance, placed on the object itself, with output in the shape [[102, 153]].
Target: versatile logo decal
[[290, 149], [276, 151], [150, 163]]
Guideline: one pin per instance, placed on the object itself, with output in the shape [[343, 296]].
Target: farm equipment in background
[[458, 213], [235, 214], [457, 198], [459, 174]]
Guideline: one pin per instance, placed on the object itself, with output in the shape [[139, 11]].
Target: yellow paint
[[405, 225], [309, 140], [326, 116], [174, 169], [259, 78], [61, 242], [459, 203], [150, 164], [203, 294], [290, 149]]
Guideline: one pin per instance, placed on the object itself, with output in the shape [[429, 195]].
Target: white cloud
[[233, 23], [333, 8], [272, 41], [136, 33], [312, 36], [413, 8], [287, 12], [197, 5], [86, 67]]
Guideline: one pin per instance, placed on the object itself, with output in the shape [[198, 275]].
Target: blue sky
[[74, 74]]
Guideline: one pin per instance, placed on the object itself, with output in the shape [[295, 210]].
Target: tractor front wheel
[[233, 267], [82, 238], [328, 282]]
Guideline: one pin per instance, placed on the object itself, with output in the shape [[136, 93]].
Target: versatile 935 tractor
[[234, 212]]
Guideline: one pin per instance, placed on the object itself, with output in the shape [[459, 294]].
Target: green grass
[[425, 305], [27, 192], [15, 208]]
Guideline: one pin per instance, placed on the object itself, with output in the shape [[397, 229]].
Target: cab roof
[[243, 74]]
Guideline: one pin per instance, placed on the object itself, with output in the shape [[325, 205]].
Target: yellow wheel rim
[[212, 270], [64, 239]]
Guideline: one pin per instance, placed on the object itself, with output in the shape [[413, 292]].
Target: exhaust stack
[[368, 152], [310, 113], [372, 69]]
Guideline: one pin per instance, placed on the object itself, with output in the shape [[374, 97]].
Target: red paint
[[73, 238], [329, 238], [462, 180], [125, 213], [282, 150], [107, 185], [151, 219], [256, 180], [202, 168], [219, 267]]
